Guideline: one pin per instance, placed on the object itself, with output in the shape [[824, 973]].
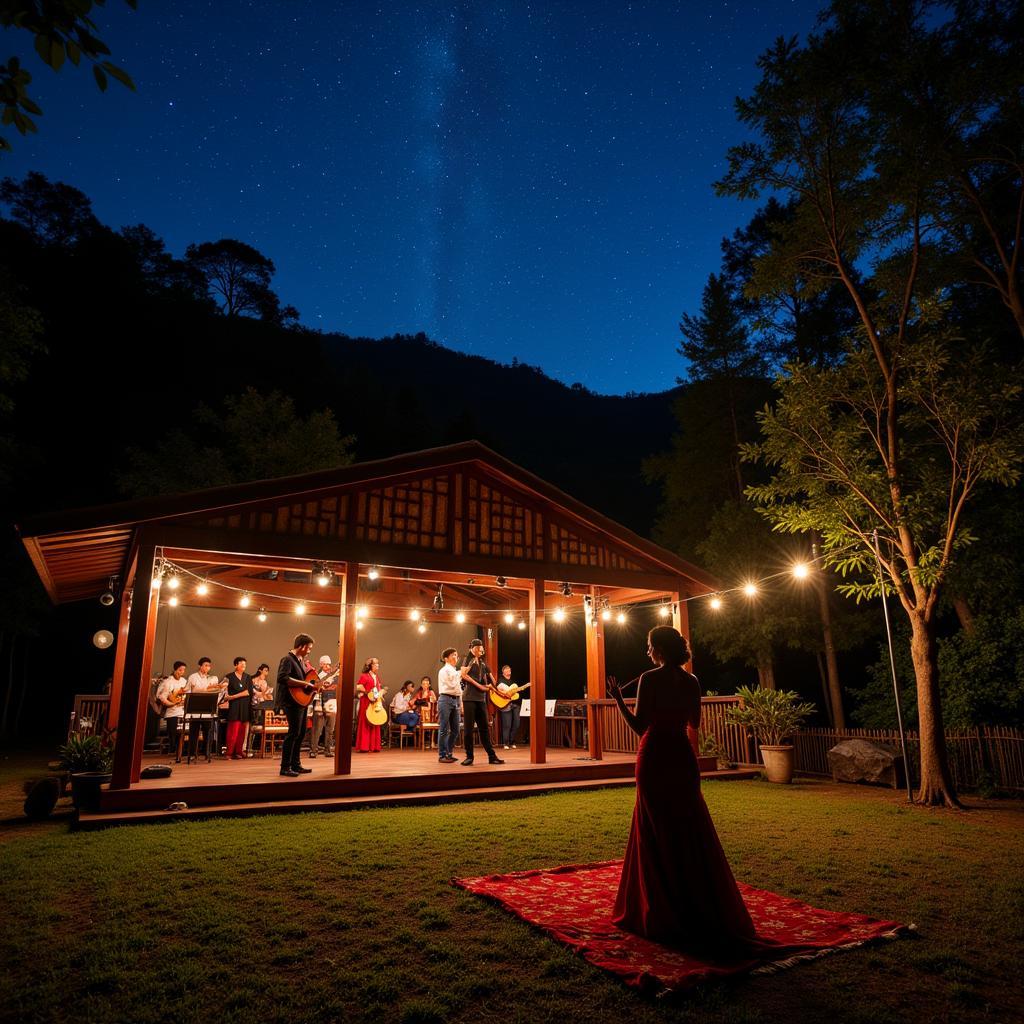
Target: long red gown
[[367, 735], [676, 885]]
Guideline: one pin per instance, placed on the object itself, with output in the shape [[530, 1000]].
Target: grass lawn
[[350, 917]]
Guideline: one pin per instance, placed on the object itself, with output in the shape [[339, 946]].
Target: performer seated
[[425, 701], [170, 695], [402, 704]]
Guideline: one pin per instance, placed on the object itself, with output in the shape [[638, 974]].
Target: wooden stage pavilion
[[494, 535]]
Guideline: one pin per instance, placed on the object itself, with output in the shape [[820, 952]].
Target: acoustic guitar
[[376, 713], [302, 692], [501, 701]]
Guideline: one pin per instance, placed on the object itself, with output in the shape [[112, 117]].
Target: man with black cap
[[476, 682]]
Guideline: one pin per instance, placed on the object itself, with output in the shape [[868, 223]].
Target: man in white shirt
[[449, 700], [170, 695], [201, 682]]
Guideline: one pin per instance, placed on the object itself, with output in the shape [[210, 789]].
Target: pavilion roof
[[473, 504]]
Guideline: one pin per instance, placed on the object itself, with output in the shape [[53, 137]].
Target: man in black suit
[[293, 669]]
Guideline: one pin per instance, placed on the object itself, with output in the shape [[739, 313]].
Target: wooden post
[[491, 657], [122, 643], [538, 721], [681, 621], [346, 669], [137, 660], [595, 677]]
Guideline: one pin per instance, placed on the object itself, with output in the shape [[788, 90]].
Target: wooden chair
[[274, 727], [400, 732]]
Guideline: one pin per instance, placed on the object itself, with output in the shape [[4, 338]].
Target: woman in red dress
[[368, 735], [676, 885]]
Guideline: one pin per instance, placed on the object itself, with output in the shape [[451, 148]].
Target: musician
[[449, 686], [170, 695], [293, 669], [369, 685], [476, 683], [325, 710], [402, 705], [202, 681], [509, 720], [239, 699], [262, 699], [425, 700]]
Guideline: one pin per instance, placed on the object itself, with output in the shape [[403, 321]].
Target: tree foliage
[[252, 436], [63, 30]]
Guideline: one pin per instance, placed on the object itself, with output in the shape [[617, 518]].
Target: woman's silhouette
[[676, 885]]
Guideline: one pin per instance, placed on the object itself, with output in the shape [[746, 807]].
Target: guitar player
[[293, 670]]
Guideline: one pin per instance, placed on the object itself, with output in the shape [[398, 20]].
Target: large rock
[[858, 760]]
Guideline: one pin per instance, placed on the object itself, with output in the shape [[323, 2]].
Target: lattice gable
[[462, 509]]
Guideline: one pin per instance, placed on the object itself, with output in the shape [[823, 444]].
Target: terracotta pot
[[778, 762]]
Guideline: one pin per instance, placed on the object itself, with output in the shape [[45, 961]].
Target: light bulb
[[522, 624], [559, 615], [203, 589], [173, 583], [245, 601], [620, 618], [716, 603], [374, 573], [509, 618], [801, 571], [460, 617], [414, 614], [606, 615], [421, 628], [300, 609], [359, 623], [664, 611], [157, 583], [173, 600], [750, 589], [361, 612], [262, 616]]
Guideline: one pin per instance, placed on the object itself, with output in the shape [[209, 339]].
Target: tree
[[253, 437], [63, 31], [900, 436], [717, 348], [54, 213], [238, 277]]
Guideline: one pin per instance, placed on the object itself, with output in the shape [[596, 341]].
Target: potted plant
[[772, 716], [88, 760]]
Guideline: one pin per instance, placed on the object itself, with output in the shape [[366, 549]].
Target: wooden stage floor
[[226, 788]]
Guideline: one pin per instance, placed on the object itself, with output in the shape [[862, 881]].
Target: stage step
[[90, 822]]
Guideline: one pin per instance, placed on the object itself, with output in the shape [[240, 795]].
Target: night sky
[[516, 180]]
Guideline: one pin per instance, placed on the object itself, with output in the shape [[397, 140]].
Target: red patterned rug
[[573, 904]]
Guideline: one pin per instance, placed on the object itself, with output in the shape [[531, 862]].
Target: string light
[[173, 600], [157, 582], [373, 573], [750, 589], [414, 614], [606, 615], [559, 615], [245, 600], [173, 583], [801, 570], [262, 615], [361, 612], [323, 574], [664, 611], [716, 603], [359, 623], [621, 618], [522, 624], [460, 617], [300, 609], [421, 628], [509, 618], [203, 589]]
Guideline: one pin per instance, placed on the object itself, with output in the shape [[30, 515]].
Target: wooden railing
[[89, 717], [568, 727], [988, 755]]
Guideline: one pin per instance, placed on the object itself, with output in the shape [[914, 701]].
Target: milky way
[[527, 181]]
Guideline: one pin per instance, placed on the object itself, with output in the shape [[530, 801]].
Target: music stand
[[200, 707]]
